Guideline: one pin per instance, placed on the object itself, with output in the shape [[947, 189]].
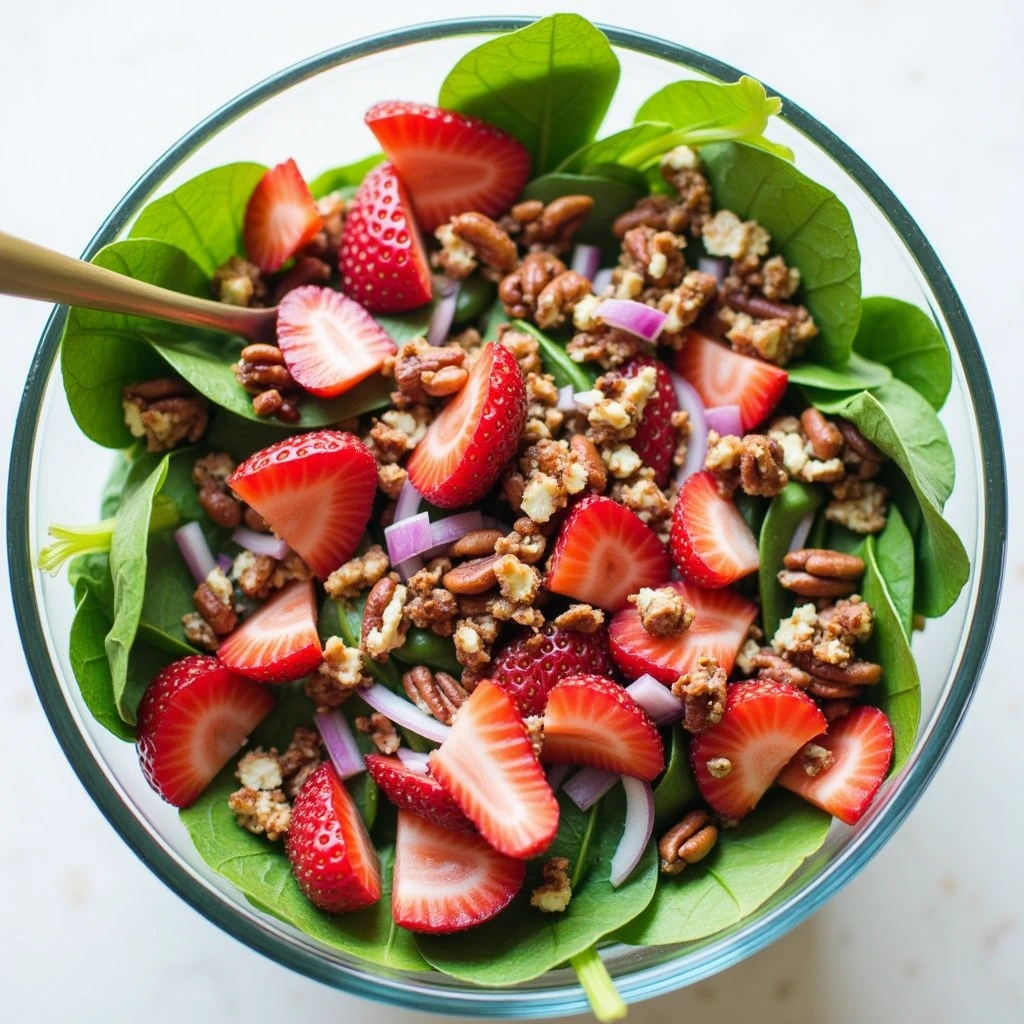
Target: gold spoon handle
[[34, 272]]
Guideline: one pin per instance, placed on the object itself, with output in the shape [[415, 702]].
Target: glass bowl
[[55, 475]]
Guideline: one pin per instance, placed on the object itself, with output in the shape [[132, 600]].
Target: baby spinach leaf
[[548, 84], [809, 226], [747, 866], [616, 148], [859, 373], [424, 647], [344, 179], [476, 294], [237, 436], [894, 556], [676, 788], [557, 361], [403, 327], [492, 320]]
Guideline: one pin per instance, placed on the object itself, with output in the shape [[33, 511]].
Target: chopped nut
[[718, 767], [580, 618], [165, 412], [557, 299], [684, 304], [655, 256], [418, 366], [517, 581], [253, 573], [210, 474], [815, 759], [471, 649], [214, 600], [198, 632], [398, 431], [261, 812], [260, 769], [703, 692], [824, 438], [520, 289], [434, 693], [796, 633], [686, 843], [306, 270], [859, 505], [662, 612], [553, 896], [471, 236], [524, 347], [238, 283], [725, 234], [608, 346], [552, 227], [390, 479], [358, 574], [340, 674], [774, 667], [381, 731], [525, 541]]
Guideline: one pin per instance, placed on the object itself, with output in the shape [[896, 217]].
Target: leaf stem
[[597, 983]]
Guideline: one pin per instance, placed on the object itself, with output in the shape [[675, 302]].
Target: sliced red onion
[[586, 259], [656, 699], [557, 774], [588, 785], [443, 315], [713, 265], [259, 543], [697, 443], [224, 563], [194, 549], [566, 403], [448, 530], [340, 744], [404, 713], [408, 503], [602, 279], [636, 832], [632, 316], [724, 419], [803, 528], [409, 568], [413, 760], [408, 538]]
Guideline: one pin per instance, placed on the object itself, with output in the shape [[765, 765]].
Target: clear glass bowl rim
[[645, 982]]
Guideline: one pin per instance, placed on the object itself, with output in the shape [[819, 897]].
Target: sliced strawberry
[[193, 717], [593, 721], [718, 630], [723, 377], [316, 491], [488, 766], [470, 442], [710, 541], [451, 163], [605, 553], [861, 744], [331, 855], [329, 342], [279, 641], [280, 217], [412, 791], [532, 663], [656, 439], [448, 881], [764, 725], [382, 262]]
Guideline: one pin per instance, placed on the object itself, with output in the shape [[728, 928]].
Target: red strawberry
[[451, 163], [605, 553], [316, 491], [421, 794], [656, 439], [193, 717], [764, 725], [280, 217], [331, 855], [531, 663], [711, 544], [488, 766], [723, 377], [382, 262], [467, 447], [593, 721], [448, 881], [278, 642], [861, 743], [718, 630], [329, 342]]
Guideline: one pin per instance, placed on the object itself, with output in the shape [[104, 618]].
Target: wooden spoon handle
[[34, 272]]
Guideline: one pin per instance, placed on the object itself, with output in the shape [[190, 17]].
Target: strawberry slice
[[605, 553], [192, 719], [711, 544], [278, 642], [468, 445], [316, 491], [488, 766], [382, 262], [331, 855], [448, 881], [655, 439], [280, 217], [718, 630], [593, 721], [764, 725], [329, 342], [421, 794], [451, 163], [861, 744], [723, 377]]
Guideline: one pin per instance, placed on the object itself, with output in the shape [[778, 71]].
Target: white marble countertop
[[928, 93]]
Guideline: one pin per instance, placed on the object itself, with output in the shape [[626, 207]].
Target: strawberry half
[[605, 553], [192, 719], [329, 342], [532, 663], [451, 163], [382, 262], [331, 855], [764, 725], [488, 766], [468, 445], [861, 743], [316, 491], [655, 439], [448, 881], [718, 630], [593, 721], [723, 377], [421, 794], [280, 217], [279, 641], [710, 541]]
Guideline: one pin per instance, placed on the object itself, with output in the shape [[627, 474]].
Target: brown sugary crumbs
[[553, 896], [348, 581], [381, 731]]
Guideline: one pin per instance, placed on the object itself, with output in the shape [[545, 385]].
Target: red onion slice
[[409, 568], [586, 259], [224, 563], [588, 785], [656, 699], [451, 528], [408, 538], [194, 549], [724, 419], [413, 760], [713, 265], [259, 543], [602, 279], [697, 444], [340, 744], [408, 503], [803, 528], [557, 774], [565, 399], [629, 315], [404, 713], [444, 314], [636, 832]]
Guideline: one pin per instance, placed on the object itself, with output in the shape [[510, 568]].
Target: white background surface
[[928, 93]]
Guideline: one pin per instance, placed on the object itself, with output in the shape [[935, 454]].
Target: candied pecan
[[519, 290], [660, 212], [418, 367], [198, 632], [517, 581], [489, 241], [702, 691], [214, 600], [856, 441], [390, 479], [553, 226], [817, 572], [254, 521], [435, 609], [686, 843], [815, 759], [775, 340], [398, 431], [552, 473], [681, 168], [553, 896], [852, 620], [307, 270], [525, 541], [333, 208], [856, 673], [289, 568], [262, 812], [807, 585], [609, 347], [300, 758], [796, 633], [471, 643], [725, 234], [798, 455], [512, 488], [340, 674], [588, 455], [381, 731], [824, 438], [774, 667], [557, 299], [523, 346], [580, 618], [753, 462], [473, 577], [655, 255], [475, 544], [261, 367], [616, 405], [684, 304], [644, 497], [238, 283], [210, 474], [434, 693], [254, 574], [383, 626], [662, 611], [859, 505], [348, 581], [165, 411], [833, 708]]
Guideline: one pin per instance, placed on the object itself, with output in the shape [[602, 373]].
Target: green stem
[[581, 854], [604, 1000]]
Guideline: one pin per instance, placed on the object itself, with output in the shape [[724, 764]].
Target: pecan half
[[824, 437], [519, 290], [422, 371], [820, 572], [489, 240], [590, 458], [774, 667], [383, 626], [434, 693], [473, 577], [553, 226], [165, 411], [475, 544], [856, 673], [558, 298], [686, 843]]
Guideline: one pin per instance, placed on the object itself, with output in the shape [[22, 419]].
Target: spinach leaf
[[424, 647], [616, 148], [403, 327], [237, 436], [476, 295], [548, 84], [905, 338], [808, 225], [492, 320], [344, 179], [557, 361], [676, 788], [204, 216], [747, 866], [859, 373], [894, 557]]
